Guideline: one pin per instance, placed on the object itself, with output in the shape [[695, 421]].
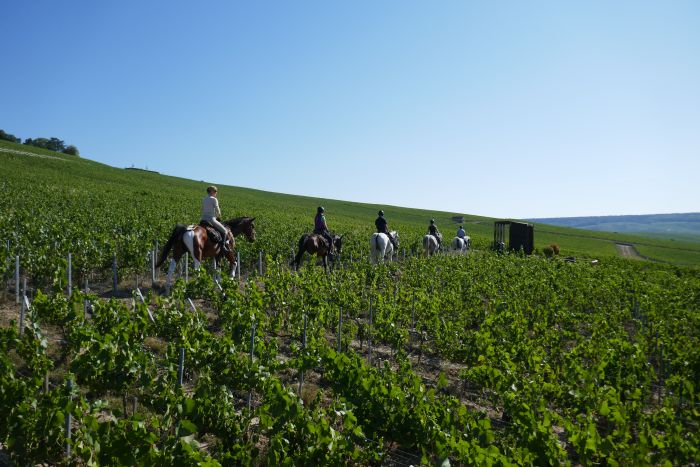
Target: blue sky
[[506, 108]]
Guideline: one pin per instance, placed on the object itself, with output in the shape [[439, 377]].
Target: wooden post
[[187, 267], [22, 312], [69, 388], [413, 319], [86, 304], [70, 274], [413, 311], [181, 367], [114, 274], [194, 308], [260, 261], [301, 375], [17, 280], [153, 268], [238, 264], [143, 300], [252, 354], [369, 334], [340, 330]]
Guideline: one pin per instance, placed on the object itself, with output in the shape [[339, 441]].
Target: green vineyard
[[478, 359]]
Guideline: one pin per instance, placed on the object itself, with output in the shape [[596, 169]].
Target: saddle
[[213, 234]]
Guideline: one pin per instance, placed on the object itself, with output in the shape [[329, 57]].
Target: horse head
[[249, 230], [242, 225], [338, 243], [395, 235]]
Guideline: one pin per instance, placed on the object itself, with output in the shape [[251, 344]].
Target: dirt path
[[628, 250]]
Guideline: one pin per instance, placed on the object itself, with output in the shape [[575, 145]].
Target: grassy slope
[[297, 212]]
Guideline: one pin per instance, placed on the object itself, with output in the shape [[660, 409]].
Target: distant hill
[[683, 226]]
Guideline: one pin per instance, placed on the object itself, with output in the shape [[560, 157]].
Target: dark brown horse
[[316, 244], [196, 241]]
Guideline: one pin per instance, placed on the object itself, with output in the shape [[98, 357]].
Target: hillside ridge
[[295, 212]]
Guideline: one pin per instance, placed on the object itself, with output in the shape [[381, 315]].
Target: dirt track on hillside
[[627, 250]]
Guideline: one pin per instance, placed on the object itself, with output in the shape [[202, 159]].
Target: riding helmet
[[432, 221], [381, 213], [321, 209]]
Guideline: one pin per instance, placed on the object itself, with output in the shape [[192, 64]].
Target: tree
[[72, 150], [52, 144], [9, 137]]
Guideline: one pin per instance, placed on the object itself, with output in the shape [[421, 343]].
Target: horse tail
[[175, 235], [302, 240], [300, 253]]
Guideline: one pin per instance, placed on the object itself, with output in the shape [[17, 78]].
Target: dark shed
[[521, 236]]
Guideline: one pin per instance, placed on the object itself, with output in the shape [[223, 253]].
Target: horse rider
[[433, 230], [382, 227], [321, 228], [461, 233], [211, 214]]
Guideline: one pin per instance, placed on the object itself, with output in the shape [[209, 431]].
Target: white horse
[[430, 245], [380, 246], [461, 244]]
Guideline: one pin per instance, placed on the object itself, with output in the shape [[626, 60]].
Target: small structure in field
[[513, 235]]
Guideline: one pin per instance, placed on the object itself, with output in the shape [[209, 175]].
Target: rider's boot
[[224, 246]]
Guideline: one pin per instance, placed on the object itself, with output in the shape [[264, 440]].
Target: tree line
[[52, 144]]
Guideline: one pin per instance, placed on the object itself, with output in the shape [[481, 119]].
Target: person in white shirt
[[211, 213]]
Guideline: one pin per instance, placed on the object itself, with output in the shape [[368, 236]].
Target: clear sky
[[499, 108]]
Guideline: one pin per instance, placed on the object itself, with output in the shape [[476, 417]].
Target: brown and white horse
[[195, 241], [316, 244]]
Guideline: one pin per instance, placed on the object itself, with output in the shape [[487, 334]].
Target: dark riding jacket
[[381, 225], [321, 228]]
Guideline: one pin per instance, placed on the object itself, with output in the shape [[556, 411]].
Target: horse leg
[[197, 256], [232, 260], [171, 269], [297, 259]]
